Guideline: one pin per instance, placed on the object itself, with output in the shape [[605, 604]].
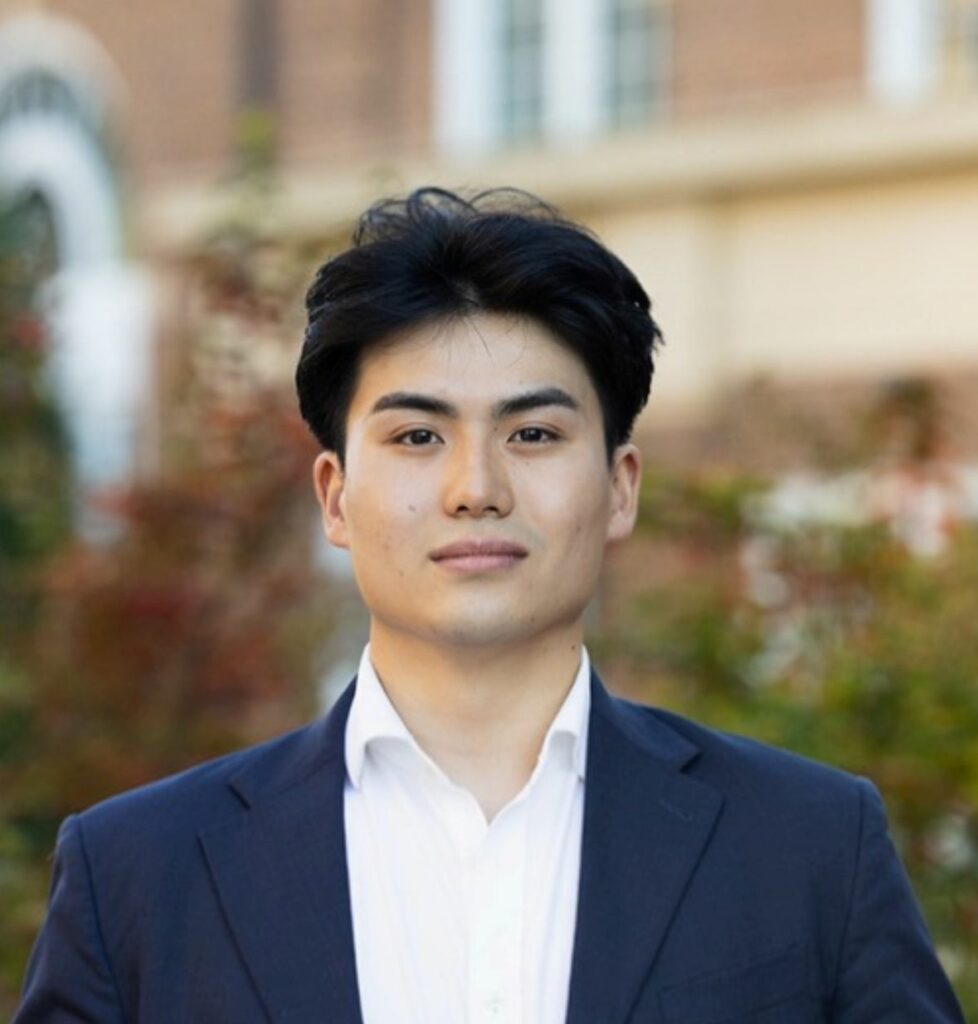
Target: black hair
[[435, 255]]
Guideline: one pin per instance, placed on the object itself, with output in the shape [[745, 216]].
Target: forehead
[[482, 357]]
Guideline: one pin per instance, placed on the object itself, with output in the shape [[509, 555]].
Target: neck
[[480, 713]]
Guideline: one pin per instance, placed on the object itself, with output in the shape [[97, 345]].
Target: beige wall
[[845, 281], [865, 272], [676, 250], [867, 280], [856, 279]]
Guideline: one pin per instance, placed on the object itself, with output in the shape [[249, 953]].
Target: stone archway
[[59, 109]]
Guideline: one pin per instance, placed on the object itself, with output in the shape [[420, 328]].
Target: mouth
[[481, 555]]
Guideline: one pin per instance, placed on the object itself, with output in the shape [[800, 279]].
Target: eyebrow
[[536, 399]]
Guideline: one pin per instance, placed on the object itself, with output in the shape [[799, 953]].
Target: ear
[[329, 482], [626, 478]]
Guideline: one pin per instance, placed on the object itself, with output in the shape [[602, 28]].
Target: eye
[[534, 435], [418, 438]]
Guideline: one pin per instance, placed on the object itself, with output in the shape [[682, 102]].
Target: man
[[478, 831]]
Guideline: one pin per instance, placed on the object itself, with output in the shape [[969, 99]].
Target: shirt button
[[495, 1003]]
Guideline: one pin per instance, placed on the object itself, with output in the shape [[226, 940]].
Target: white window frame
[[903, 49], [466, 70], [575, 71], [657, 96]]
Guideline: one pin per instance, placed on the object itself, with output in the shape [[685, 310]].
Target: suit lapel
[[645, 828], [281, 875]]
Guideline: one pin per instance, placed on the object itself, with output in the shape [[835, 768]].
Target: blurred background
[[795, 183]]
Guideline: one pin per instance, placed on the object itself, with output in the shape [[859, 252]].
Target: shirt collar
[[372, 717]]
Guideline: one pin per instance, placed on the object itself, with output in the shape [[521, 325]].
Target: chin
[[468, 628], [476, 634], [513, 628]]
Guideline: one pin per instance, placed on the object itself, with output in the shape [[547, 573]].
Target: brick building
[[795, 183]]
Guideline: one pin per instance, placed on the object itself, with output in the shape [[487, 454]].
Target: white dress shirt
[[457, 921]]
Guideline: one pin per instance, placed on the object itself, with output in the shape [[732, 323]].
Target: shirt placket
[[496, 892]]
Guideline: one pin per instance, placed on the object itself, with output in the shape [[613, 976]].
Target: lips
[[479, 554]]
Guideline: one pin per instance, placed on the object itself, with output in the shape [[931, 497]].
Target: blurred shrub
[[35, 475], [835, 642], [35, 502], [196, 624]]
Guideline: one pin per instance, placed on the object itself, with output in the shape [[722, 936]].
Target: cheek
[[400, 489], [383, 519], [572, 503]]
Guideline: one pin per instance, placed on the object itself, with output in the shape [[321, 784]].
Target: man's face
[[476, 499]]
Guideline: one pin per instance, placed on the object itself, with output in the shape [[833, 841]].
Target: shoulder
[[761, 780], [722, 751], [719, 751], [161, 814], [204, 794], [796, 828]]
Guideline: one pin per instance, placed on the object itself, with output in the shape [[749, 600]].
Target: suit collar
[[294, 759], [280, 867], [641, 727]]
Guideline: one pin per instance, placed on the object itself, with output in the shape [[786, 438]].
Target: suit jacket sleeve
[[887, 969], [68, 976]]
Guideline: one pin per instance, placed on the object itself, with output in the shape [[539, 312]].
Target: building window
[[903, 40], [919, 47], [960, 42], [637, 66], [521, 70], [560, 70]]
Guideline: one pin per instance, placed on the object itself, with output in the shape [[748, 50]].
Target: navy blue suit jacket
[[721, 881]]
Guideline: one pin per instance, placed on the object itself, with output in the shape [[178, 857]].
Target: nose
[[476, 482]]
